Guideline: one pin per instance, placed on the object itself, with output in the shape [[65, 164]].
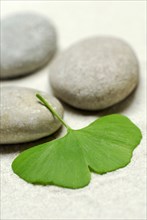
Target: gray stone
[[95, 73], [23, 118], [28, 41]]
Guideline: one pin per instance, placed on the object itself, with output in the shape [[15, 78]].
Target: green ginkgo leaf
[[105, 145]]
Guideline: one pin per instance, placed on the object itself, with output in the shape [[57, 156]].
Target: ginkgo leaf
[[105, 145]]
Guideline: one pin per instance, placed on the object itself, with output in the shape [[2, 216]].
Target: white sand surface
[[116, 195]]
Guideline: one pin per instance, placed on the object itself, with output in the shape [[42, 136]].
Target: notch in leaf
[[105, 145]]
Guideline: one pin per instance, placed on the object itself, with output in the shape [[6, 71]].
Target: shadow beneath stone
[[11, 148], [44, 65], [118, 108], [115, 109], [25, 75]]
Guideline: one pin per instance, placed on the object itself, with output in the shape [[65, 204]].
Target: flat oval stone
[[23, 118], [28, 41], [95, 73]]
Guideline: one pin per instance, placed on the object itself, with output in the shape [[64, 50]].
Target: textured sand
[[117, 195]]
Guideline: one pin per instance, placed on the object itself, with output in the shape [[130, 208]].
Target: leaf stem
[[48, 106]]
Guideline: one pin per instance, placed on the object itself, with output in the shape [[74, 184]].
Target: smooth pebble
[[23, 118], [28, 41], [95, 73]]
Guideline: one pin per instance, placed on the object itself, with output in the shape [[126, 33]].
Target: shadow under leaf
[[11, 148]]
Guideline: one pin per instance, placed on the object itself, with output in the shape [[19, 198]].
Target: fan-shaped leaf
[[105, 145]]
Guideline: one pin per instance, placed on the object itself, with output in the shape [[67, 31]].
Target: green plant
[[105, 145]]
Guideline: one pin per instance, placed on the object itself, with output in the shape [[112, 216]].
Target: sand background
[[116, 195]]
